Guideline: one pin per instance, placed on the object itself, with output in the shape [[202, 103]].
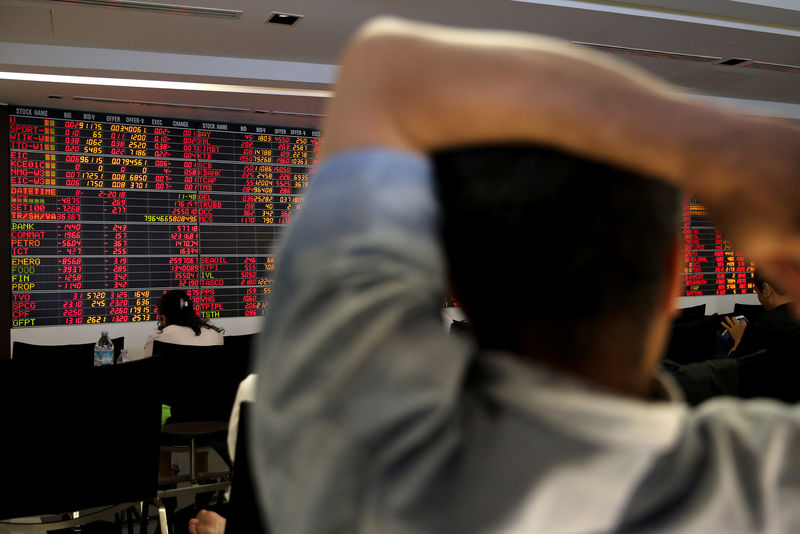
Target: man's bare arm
[[421, 87]]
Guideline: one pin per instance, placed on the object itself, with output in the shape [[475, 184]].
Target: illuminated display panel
[[108, 211], [711, 265]]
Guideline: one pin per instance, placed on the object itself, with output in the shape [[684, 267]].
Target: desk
[[189, 434], [192, 435]]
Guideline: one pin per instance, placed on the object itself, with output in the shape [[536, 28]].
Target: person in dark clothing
[[776, 329], [768, 352], [764, 361]]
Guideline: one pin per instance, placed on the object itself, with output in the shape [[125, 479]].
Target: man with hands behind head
[[370, 419]]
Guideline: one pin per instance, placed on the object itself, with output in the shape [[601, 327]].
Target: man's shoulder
[[745, 421], [371, 162], [782, 317]]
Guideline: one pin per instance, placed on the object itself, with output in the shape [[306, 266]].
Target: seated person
[[774, 328], [178, 323], [762, 361], [370, 419], [769, 346]]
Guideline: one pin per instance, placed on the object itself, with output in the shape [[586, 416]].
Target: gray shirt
[[370, 419]]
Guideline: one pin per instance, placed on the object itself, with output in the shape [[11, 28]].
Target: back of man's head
[[759, 280], [554, 254], [771, 294]]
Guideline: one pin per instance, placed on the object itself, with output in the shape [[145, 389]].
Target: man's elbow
[[376, 44]]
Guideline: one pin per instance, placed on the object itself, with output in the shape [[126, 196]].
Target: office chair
[[693, 341], [245, 515], [80, 444], [691, 313]]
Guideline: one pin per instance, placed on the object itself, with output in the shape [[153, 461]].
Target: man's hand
[[736, 330], [207, 522]]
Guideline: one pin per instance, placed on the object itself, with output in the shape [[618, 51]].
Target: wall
[[135, 333], [718, 304]]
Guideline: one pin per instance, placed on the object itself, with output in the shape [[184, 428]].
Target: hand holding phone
[[734, 329]]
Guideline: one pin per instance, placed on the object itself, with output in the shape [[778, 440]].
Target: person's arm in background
[[420, 87]]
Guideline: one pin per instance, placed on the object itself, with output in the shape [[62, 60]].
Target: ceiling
[[260, 72]]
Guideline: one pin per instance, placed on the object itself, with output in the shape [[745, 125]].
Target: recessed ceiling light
[[732, 61], [156, 7], [287, 19], [162, 84]]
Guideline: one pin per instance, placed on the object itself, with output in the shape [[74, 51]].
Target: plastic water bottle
[[104, 350], [123, 356]]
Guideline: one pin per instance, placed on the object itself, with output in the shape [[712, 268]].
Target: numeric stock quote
[[108, 211]]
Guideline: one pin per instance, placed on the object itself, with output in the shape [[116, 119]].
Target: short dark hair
[[759, 279], [598, 237]]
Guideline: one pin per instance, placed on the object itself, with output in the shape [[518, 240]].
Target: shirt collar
[[589, 411]]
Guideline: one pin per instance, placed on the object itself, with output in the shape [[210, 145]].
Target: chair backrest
[[76, 439], [770, 371], [199, 383], [72, 356], [692, 312], [751, 311], [162, 348], [242, 344], [693, 341], [245, 510], [242, 341]]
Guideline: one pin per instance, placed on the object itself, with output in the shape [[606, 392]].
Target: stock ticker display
[[108, 211], [711, 265]]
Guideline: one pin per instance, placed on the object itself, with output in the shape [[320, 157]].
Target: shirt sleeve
[[356, 369]]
